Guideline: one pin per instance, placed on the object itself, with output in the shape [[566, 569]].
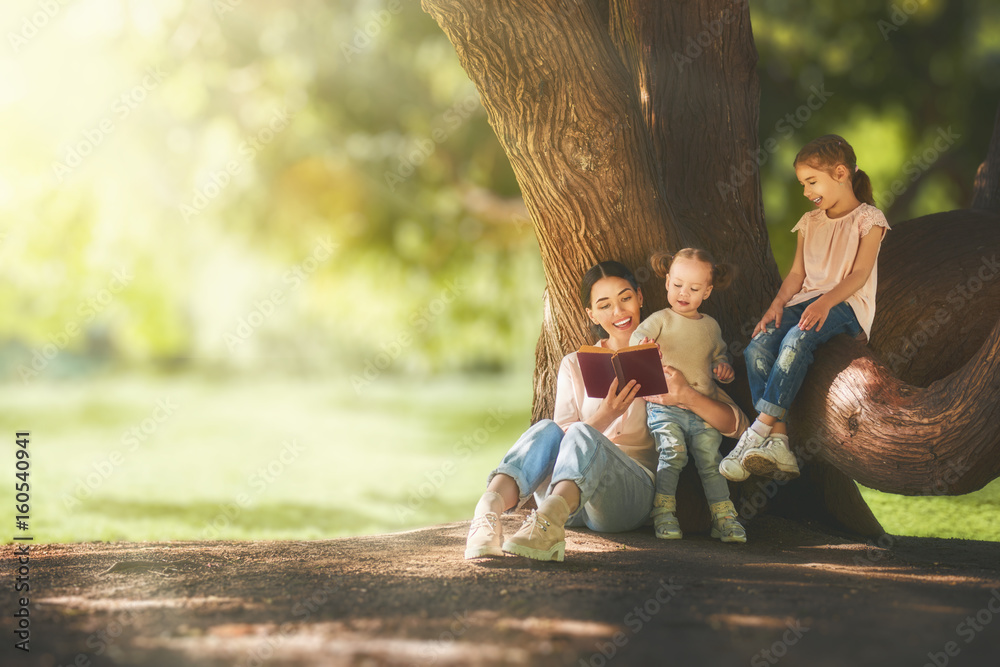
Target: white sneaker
[[732, 467], [774, 459], [485, 536]]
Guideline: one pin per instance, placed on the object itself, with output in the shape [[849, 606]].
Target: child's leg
[[783, 384], [705, 442], [704, 446], [794, 358], [672, 456], [762, 350]]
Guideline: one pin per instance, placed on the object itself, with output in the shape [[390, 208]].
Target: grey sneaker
[[774, 459], [732, 467]]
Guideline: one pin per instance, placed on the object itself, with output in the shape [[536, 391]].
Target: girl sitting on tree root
[[829, 290]]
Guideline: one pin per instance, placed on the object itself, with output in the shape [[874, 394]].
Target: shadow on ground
[[792, 594]]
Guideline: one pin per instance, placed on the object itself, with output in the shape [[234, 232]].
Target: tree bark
[[631, 126], [986, 188]]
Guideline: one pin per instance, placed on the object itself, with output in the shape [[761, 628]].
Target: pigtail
[[862, 187], [660, 262], [723, 275]]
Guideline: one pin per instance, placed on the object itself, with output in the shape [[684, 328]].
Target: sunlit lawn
[[287, 458]]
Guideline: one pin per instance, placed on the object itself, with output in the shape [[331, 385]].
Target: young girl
[[691, 342], [829, 290], [591, 463]]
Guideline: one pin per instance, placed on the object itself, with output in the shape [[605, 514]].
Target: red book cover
[[639, 362]]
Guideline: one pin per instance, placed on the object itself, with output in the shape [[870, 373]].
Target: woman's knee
[[580, 431]]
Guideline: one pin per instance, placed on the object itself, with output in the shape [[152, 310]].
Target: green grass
[[403, 454], [971, 517], [390, 459]]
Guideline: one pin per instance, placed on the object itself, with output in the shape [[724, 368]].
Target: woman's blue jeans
[[676, 432], [616, 493], [778, 358]]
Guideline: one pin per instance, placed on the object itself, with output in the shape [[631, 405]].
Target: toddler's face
[[688, 284]]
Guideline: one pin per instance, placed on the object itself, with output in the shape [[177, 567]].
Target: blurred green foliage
[[315, 188]]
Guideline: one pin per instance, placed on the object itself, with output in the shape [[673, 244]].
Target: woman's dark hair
[[609, 269], [830, 150], [722, 274]]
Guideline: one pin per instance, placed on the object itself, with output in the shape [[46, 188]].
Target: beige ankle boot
[[542, 535], [664, 515], [724, 524], [486, 530]]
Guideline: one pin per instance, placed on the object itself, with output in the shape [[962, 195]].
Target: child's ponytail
[[862, 187], [723, 275], [660, 262]]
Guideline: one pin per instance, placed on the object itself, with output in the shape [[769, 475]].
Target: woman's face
[[614, 305]]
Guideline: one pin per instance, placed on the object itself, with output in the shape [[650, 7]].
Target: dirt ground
[[792, 596]]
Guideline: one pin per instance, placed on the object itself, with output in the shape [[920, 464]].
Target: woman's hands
[[677, 389], [614, 404]]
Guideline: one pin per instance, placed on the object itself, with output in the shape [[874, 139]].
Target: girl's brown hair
[[722, 274], [830, 150]]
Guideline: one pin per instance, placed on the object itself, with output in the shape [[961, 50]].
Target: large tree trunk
[[631, 126]]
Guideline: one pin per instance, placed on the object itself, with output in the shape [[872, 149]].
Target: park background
[[266, 273]]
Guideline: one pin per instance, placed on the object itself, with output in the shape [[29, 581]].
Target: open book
[[637, 362]]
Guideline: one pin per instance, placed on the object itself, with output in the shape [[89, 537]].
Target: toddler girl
[[692, 343]]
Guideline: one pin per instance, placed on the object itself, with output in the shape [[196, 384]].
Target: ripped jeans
[[678, 431], [778, 358]]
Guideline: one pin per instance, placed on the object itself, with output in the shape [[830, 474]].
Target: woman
[[596, 456]]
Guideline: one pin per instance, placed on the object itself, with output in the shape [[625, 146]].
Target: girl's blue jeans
[[677, 431], [616, 493], [778, 358]]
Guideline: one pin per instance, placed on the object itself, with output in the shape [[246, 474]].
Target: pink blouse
[[829, 250]]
